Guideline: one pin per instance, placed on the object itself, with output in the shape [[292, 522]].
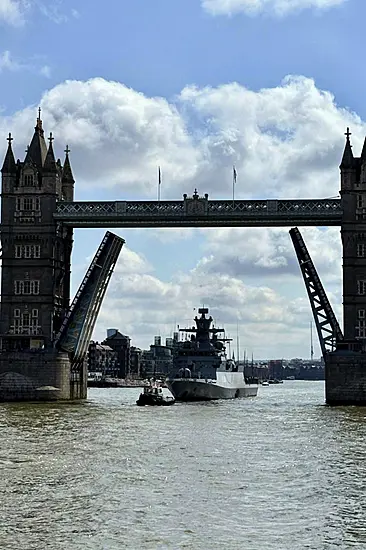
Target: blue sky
[[159, 47], [175, 64]]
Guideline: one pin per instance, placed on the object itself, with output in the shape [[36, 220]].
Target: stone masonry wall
[[345, 379], [38, 376]]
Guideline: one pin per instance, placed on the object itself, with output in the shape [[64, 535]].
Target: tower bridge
[[44, 339], [199, 211]]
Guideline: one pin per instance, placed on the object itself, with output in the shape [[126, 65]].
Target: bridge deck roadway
[[201, 212]]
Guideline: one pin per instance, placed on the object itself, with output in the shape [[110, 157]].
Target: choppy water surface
[[279, 472]]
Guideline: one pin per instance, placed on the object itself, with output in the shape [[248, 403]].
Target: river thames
[[278, 472]]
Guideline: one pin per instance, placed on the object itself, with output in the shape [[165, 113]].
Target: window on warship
[[28, 180], [361, 314]]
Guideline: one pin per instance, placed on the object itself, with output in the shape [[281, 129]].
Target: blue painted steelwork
[[78, 325], [199, 211], [328, 329]]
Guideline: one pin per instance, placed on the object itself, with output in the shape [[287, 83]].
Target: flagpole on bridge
[[159, 183], [234, 182]]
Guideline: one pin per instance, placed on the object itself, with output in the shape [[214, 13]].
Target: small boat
[[265, 383], [153, 395]]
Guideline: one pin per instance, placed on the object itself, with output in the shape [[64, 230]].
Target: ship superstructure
[[201, 368]]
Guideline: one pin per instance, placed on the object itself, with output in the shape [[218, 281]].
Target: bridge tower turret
[[44, 341], [345, 368], [35, 249], [67, 178], [353, 233]]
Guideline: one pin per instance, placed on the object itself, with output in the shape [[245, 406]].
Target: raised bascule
[[44, 339]]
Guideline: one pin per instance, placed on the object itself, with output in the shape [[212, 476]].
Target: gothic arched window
[[25, 319], [28, 180]]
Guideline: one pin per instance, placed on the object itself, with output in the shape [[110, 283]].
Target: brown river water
[[278, 472]]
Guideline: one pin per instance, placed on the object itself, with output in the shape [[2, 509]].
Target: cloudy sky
[[195, 86]]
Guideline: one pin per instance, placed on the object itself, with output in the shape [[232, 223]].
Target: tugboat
[[201, 369], [153, 395]]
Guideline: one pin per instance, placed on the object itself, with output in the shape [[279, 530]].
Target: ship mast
[[203, 327]]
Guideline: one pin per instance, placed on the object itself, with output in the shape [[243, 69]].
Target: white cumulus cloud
[[285, 141], [255, 7], [17, 12], [10, 63], [142, 305], [264, 252], [7, 63], [12, 12]]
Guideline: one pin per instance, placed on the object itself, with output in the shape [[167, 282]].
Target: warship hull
[[190, 389], [201, 370]]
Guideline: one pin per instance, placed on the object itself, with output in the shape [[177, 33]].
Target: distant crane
[[311, 342]]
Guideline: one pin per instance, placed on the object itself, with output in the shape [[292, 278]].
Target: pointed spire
[[67, 175], [37, 150], [50, 161], [38, 127], [348, 160], [9, 165], [363, 154]]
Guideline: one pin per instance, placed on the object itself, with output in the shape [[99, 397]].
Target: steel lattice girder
[[78, 325], [198, 211], [328, 329]]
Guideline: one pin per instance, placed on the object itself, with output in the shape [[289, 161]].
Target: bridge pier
[[40, 375], [345, 378], [35, 274], [44, 340], [345, 368]]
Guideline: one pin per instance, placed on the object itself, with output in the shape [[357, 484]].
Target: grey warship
[[201, 370]]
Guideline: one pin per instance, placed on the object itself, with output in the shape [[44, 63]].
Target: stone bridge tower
[[346, 367], [353, 233], [36, 257]]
